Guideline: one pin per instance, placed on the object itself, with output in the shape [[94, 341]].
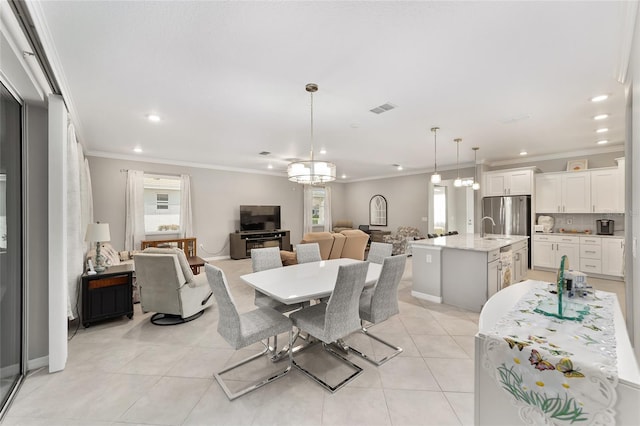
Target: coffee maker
[[604, 226]]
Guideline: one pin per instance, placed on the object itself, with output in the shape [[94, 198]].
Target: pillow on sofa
[[110, 254]]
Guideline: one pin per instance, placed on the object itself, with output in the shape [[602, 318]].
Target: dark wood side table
[[107, 294], [195, 263]]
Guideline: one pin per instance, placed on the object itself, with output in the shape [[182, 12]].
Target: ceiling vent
[[265, 153], [383, 108]]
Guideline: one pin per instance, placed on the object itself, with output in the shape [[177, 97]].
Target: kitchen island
[[465, 270]]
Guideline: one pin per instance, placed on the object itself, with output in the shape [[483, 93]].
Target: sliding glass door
[[11, 253]]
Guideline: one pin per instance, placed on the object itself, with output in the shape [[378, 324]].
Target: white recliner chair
[[169, 288]]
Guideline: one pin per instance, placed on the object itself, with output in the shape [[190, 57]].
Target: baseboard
[[34, 364], [428, 297], [209, 259]]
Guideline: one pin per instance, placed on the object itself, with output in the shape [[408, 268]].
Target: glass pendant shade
[[435, 177], [458, 182], [311, 172], [475, 184]]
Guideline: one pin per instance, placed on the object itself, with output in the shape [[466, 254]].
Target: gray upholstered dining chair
[[380, 303], [263, 259], [335, 319], [242, 330], [378, 251], [308, 253]]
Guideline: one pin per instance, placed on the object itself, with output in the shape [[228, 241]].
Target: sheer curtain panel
[[307, 220], [134, 207], [186, 216], [328, 226]]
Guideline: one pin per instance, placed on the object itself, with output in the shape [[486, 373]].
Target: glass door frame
[[24, 235]]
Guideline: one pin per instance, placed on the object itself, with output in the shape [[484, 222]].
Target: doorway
[[11, 248]]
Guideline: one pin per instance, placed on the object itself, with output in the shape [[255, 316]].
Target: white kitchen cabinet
[[613, 256], [563, 192], [590, 255], [606, 196], [548, 193], [576, 192], [549, 249], [493, 277], [520, 261], [508, 182]]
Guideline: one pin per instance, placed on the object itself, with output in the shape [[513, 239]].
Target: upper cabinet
[[606, 196], [508, 182], [591, 191], [563, 192]]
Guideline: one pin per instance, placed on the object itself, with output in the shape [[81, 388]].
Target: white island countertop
[[471, 241]]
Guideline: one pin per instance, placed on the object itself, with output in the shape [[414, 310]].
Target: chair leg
[[261, 382], [378, 363], [318, 380]]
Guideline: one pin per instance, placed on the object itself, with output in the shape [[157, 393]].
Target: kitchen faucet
[[482, 225]]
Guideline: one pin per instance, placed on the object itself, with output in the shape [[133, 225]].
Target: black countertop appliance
[[604, 226]]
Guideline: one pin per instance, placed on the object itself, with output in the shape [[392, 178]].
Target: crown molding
[[569, 154], [136, 158]]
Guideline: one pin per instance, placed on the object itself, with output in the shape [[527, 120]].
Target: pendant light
[[475, 185], [435, 177], [311, 172], [458, 182]]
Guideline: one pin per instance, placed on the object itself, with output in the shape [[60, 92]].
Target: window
[[317, 209], [161, 204]]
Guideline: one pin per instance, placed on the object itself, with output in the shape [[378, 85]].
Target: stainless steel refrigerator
[[512, 216]]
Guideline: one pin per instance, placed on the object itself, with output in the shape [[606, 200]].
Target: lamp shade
[[97, 232]]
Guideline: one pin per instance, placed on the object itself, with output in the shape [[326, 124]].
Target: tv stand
[[242, 242]]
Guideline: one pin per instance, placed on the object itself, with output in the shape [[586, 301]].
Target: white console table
[[493, 405]]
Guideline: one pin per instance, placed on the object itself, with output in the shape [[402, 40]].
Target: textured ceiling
[[228, 78]]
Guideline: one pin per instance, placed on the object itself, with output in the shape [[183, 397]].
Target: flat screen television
[[259, 218]]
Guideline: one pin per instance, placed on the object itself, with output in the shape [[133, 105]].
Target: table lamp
[[98, 233]]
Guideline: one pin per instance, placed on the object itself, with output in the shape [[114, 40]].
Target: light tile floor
[[124, 372]]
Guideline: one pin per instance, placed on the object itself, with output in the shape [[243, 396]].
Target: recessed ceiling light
[[323, 151], [270, 166], [603, 130], [599, 98], [153, 117], [344, 176], [399, 168], [523, 152], [137, 149], [602, 142], [600, 116]]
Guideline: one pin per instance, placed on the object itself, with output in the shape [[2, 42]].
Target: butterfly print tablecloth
[[557, 371]]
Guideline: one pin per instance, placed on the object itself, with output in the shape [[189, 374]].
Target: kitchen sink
[[494, 239]]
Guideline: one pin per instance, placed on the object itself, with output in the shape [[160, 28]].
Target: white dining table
[[304, 281]]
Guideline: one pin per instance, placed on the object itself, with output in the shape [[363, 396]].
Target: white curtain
[[186, 215], [79, 215], [327, 209], [307, 209], [134, 210]]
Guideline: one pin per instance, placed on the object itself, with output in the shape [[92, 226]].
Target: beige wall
[[216, 196]]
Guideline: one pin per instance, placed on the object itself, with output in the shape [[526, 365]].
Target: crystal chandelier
[[435, 177], [311, 171]]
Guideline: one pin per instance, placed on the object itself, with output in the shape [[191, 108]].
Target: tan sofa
[[342, 225], [350, 243]]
